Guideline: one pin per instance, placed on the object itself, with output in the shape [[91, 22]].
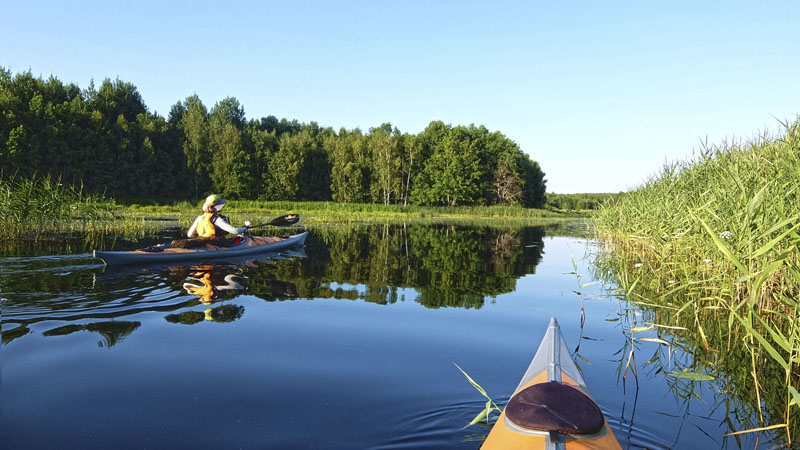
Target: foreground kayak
[[249, 245], [551, 408]]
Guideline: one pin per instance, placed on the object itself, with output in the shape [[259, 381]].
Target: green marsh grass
[[41, 207], [324, 214], [712, 245], [348, 212], [41, 210]]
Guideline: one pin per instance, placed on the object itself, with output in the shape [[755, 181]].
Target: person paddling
[[211, 224]]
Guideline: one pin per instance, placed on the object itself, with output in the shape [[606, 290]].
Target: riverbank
[[39, 207]]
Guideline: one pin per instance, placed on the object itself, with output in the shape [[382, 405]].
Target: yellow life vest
[[206, 292], [206, 228]]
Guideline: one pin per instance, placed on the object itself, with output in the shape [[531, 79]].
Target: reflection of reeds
[[713, 244]]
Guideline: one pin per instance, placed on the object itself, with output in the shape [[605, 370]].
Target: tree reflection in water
[[113, 332], [439, 265]]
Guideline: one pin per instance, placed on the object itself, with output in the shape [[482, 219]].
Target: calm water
[[350, 344]]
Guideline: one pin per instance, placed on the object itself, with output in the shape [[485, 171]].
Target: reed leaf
[[771, 244], [671, 327], [765, 274], [483, 415], [764, 343], [722, 247], [657, 340], [754, 430], [795, 396], [694, 376], [779, 338], [476, 385], [780, 225], [755, 202]]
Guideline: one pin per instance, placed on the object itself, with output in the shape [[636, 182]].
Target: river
[[349, 343]]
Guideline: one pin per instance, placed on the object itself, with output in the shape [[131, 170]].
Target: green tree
[[114, 108], [411, 150], [452, 174], [506, 161], [423, 178], [350, 168], [316, 172], [265, 145], [382, 144], [115, 98], [230, 168], [535, 184], [196, 143], [285, 167]]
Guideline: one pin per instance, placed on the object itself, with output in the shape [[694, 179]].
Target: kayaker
[[211, 224]]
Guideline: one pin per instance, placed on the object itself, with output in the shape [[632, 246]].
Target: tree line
[[106, 139], [580, 202]]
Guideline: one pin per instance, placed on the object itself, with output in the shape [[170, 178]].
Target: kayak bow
[[551, 408], [249, 245]]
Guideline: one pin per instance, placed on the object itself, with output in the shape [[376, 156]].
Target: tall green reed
[[40, 204], [718, 237]]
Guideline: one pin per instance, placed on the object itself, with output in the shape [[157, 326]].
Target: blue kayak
[[244, 245]]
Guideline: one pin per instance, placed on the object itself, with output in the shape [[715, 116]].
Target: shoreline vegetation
[[101, 144], [41, 207], [709, 249]]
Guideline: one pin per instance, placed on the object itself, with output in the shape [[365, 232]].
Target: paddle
[[281, 221]]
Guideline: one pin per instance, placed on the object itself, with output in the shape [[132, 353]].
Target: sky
[[600, 94]]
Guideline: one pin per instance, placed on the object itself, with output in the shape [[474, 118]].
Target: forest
[[107, 141]]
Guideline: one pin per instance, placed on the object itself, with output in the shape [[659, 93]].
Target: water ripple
[[442, 426]]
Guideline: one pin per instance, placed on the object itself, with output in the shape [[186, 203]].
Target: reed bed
[[715, 240], [41, 207]]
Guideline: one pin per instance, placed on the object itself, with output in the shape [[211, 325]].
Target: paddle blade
[[283, 221]]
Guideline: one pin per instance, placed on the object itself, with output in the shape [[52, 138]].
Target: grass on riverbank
[[326, 213], [715, 240], [333, 209], [41, 206]]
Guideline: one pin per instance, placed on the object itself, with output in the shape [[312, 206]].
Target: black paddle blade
[[283, 221]]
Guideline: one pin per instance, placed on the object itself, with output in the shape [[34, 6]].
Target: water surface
[[348, 344]]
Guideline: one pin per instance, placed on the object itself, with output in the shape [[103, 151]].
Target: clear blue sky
[[601, 94]]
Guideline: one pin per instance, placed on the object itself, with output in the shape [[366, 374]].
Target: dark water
[[350, 344]]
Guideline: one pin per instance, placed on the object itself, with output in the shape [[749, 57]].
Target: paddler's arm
[[193, 230], [220, 222]]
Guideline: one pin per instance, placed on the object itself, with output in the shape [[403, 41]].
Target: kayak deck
[[249, 245], [551, 407]]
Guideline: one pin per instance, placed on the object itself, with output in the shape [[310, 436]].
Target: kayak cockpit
[[555, 407], [551, 407]]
